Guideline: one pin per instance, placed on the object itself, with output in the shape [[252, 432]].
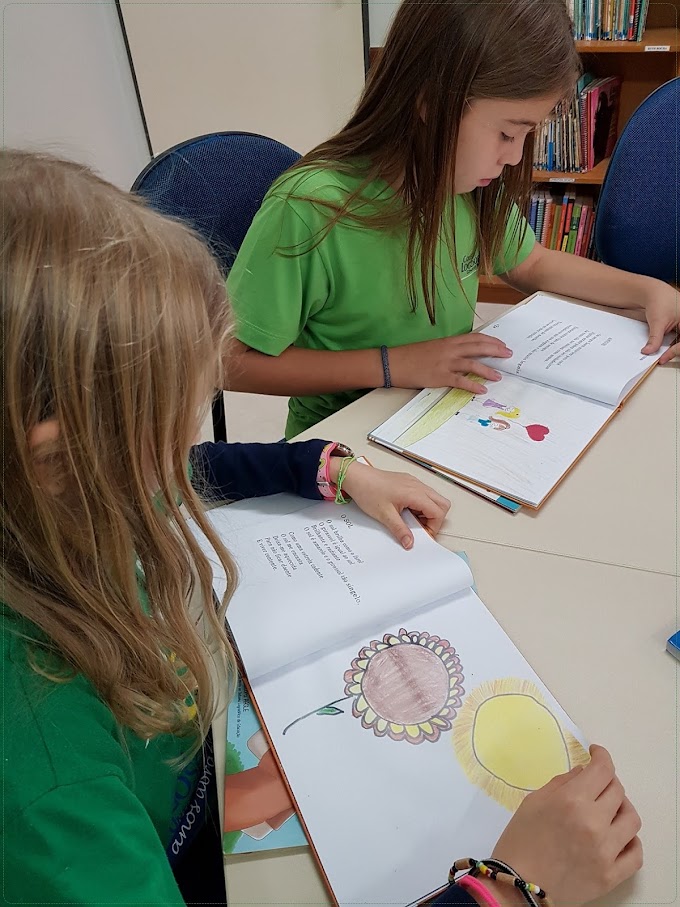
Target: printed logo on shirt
[[469, 264], [186, 825]]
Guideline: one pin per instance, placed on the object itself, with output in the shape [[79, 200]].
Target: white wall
[[68, 87], [380, 14], [290, 70]]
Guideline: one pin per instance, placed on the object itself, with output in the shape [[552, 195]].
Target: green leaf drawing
[[329, 710]]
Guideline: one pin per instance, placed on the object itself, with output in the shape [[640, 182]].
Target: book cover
[[250, 765], [603, 119]]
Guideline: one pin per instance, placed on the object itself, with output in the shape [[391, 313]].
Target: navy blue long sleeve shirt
[[232, 472]]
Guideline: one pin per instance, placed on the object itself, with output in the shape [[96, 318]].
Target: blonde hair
[[114, 319]]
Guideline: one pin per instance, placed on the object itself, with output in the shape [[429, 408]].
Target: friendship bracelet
[[501, 872], [345, 464], [387, 377], [327, 489], [475, 887]]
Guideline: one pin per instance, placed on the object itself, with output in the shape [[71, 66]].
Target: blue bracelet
[[387, 378]]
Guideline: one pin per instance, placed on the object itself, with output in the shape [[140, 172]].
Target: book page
[[519, 439], [574, 348], [314, 576], [412, 745]]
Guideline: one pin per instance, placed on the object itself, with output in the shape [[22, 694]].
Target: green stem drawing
[[328, 709]]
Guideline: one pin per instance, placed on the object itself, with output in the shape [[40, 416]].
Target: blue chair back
[[637, 227], [215, 183]]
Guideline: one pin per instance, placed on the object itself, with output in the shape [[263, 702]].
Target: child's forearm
[[582, 278], [297, 372]]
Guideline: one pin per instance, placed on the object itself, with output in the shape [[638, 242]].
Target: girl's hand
[[576, 837], [663, 316], [384, 495], [446, 362]]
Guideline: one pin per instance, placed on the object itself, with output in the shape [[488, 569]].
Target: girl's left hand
[[662, 311], [384, 495]]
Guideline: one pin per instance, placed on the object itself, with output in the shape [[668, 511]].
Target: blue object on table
[[673, 645]]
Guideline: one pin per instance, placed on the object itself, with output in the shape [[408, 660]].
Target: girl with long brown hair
[[113, 326], [361, 268]]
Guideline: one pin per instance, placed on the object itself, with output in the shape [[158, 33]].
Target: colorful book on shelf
[[407, 724], [603, 114], [251, 770], [572, 369]]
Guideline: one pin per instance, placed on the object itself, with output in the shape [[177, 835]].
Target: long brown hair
[[438, 55], [113, 322]]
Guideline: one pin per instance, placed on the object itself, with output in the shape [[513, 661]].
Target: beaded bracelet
[[501, 872], [345, 464]]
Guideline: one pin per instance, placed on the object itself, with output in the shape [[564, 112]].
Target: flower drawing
[[407, 687]]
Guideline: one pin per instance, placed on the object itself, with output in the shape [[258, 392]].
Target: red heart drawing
[[537, 432]]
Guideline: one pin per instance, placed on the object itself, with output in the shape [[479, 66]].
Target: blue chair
[[637, 227], [215, 183]]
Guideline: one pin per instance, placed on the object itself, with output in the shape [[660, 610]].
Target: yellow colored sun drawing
[[509, 743]]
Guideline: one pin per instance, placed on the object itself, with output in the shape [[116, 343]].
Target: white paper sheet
[[575, 348]]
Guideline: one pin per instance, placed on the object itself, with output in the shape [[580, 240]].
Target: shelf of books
[[628, 49]]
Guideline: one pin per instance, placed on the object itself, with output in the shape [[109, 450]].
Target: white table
[[588, 588]]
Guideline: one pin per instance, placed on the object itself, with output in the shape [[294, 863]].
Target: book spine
[[583, 118], [631, 19], [589, 238], [532, 213], [557, 217], [575, 218], [540, 215], [549, 212], [567, 224], [583, 222], [563, 215], [636, 23], [643, 19]]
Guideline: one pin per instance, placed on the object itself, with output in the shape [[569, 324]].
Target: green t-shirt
[[350, 290], [87, 813]]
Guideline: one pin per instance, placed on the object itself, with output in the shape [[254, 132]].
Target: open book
[[407, 724], [572, 369]]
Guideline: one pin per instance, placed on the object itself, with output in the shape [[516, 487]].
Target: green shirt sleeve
[[87, 843], [513, 252], [279, 279]]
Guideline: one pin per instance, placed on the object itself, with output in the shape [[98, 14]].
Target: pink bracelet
[[479, 891], [327, 489]]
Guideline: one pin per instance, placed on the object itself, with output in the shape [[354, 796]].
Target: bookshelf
[[643, 66]]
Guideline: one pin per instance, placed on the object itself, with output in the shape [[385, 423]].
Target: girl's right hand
[[576, 837], [446, 362]]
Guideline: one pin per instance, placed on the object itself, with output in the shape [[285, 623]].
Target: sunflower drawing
[[407, 686]]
